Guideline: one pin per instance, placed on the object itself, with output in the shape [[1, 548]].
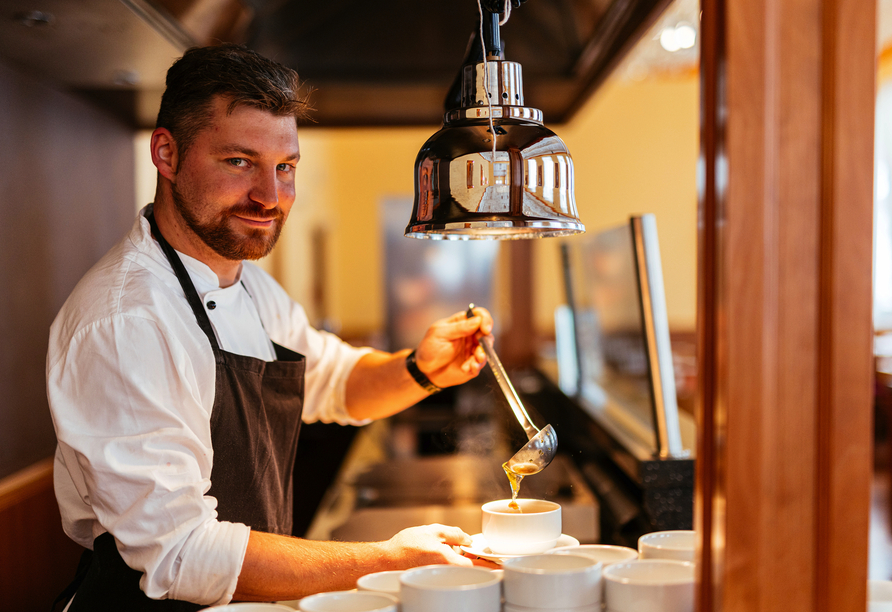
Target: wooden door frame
[[784, 301]]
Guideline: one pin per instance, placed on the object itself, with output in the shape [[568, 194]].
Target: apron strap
[[82, 566], [204, 322]]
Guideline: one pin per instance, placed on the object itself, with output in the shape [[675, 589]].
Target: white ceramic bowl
[[513, 608], [678, 545], [650, 585], [450, 588], [251, 607], [607, 554], [535, 529], [349, 601], [552, 581], [381, 582], [879, 596]]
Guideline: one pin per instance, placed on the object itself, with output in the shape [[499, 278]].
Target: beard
[[218, 234]]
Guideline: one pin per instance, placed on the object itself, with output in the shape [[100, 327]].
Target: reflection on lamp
[[467, 189]]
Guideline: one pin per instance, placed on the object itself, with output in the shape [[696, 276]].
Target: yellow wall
[[343, 176], [634, 146]]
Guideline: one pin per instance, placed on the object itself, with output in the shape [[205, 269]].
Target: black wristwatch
[[420, 376]]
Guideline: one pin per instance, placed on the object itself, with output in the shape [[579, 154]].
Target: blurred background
[[79, 87]]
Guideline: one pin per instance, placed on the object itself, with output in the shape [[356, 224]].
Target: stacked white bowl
[[649, 585], [552, 583], [349, 601], [879, 596], [450, 588], [381, 582], [677, 544]]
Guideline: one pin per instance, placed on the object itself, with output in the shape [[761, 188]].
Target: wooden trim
[[846, 375], [785, 296], [26, 483], [37, 559], [518, 341], [706, 505]]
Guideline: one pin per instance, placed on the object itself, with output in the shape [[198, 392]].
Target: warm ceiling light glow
[[685, 35], [682, 36], [669, 40]]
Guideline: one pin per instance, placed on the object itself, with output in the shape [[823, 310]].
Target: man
[[178, 374]]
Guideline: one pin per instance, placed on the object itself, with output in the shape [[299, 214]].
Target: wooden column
[[784, 452], [517, 344]]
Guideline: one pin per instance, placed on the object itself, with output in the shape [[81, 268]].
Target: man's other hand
[[431, 545]]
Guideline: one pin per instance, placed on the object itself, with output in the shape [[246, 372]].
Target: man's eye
[[237, 162], [285, 167]]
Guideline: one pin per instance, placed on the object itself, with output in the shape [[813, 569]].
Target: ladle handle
[[507, 388]]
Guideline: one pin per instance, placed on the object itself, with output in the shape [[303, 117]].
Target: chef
[[178, 373]]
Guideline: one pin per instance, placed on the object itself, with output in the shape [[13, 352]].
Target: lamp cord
[[492, 130]]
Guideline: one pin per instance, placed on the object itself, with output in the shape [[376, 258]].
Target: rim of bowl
[[652, 539], [353, 594], [385, 575], [486, 507], [409, 573], [609, 572], [514, 565], [580, 549]]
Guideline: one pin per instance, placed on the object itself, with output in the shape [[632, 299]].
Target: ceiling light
[[669, 40], [493, 171], [682, 36], [685, 35]]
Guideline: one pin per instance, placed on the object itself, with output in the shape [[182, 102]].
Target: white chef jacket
[[130, 383]]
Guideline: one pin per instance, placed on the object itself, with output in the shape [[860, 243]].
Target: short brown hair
[[243, 76]]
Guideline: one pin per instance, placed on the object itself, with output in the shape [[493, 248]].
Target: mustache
[[257, 213]]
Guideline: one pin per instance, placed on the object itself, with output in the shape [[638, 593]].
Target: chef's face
[[235, 186]]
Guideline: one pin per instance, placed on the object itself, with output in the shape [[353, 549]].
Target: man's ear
[[164, 153]]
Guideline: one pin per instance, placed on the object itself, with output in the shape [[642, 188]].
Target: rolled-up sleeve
[[134, 434]]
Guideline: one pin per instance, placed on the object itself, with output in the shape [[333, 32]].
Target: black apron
[[255, 423]]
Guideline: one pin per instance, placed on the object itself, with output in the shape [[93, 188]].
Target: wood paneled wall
[[784, 455], [66, 196], [37, 559]]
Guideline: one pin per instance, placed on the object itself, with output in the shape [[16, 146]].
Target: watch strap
[[420, 376]]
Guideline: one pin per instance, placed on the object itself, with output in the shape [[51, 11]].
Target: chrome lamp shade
[[465, 191]]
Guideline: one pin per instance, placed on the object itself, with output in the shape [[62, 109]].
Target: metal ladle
[[536, 454]]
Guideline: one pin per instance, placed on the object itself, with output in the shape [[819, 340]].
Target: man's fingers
[[453, 536], [453, 330], [481, 562], [473, 364], [482, 319], [453, 558]]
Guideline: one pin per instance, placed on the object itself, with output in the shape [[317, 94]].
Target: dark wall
[[66, 196]]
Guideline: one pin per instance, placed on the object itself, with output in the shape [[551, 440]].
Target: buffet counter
[[376, 495]]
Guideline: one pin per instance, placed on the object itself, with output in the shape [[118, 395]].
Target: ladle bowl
[[536, 454]]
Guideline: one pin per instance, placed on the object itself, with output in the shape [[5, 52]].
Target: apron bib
[[255, 422]]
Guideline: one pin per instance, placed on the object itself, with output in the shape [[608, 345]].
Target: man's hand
[[430, 545], [450, 354]]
